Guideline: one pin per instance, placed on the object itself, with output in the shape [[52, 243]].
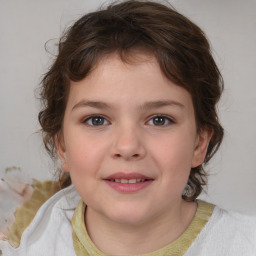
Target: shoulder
[[229, 221], [226, 233], [25, 214], [52, 219]]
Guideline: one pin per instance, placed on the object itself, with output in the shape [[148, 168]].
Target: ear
[[61, 150], [201, 146]]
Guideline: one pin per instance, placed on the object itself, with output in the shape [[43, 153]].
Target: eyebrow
[[93, 104], [160, 104], [145, 106]]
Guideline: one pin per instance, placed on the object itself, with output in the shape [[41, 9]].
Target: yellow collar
[[84, 246]]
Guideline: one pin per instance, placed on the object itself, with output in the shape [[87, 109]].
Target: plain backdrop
[[230, 25]]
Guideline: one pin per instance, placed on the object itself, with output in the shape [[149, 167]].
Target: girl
[[130, 110]]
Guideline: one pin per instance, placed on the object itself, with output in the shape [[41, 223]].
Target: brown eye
[[96, 121], [160, 121]]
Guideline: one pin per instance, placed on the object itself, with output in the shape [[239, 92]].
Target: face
[[129, 140]]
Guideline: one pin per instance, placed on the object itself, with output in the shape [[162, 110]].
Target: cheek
[[84, 154], [173, 157], [84, 163], [175, 152]]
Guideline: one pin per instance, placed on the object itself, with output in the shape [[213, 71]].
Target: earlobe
[[201, 146], [61, 150]]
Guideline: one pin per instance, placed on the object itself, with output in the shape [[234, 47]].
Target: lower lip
[[128, 187]]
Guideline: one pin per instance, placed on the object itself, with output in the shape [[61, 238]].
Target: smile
[[128, 182]]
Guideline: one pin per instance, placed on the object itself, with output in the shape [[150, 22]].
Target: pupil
[[97, 121], [159, 120]]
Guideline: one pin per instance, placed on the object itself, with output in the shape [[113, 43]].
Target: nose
[[128, 144]]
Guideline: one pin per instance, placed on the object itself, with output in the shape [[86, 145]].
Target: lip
[[128, 187], [131, 175]]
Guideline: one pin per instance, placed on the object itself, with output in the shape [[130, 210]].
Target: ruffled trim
[[26, 213]]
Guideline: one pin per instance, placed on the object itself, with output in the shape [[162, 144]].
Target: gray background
[[25, 26]]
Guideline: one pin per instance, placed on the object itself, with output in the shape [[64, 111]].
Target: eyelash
[[90, 118], [166, 119]]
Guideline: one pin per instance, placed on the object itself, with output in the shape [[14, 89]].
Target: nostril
[[133, 156]]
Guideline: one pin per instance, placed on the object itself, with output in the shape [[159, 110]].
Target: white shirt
[[50, 233]]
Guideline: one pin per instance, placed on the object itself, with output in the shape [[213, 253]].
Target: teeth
[[126, 181]]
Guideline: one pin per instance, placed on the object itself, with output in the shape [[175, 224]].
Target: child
[[130, 110]]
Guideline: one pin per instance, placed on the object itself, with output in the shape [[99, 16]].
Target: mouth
[[128, 183]]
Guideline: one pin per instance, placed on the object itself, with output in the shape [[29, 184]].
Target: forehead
[[134, 81]]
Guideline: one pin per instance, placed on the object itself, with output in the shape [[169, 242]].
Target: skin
[[131, 139]]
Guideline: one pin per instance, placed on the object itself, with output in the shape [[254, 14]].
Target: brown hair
[[179, 46]]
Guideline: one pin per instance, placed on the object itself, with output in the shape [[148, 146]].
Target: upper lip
[[131, 175]]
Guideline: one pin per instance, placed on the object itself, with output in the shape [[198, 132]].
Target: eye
[[160, 120], [96, 120]]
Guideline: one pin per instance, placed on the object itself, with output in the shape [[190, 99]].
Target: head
[[126, 28]]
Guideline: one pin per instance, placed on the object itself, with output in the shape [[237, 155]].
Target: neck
[[123, 239]]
